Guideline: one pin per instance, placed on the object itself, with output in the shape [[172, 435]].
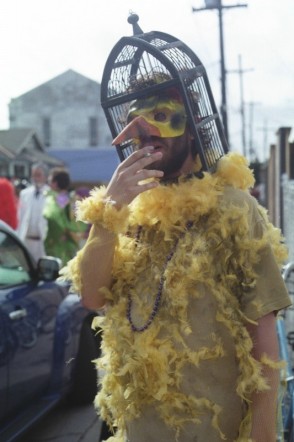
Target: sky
[[41, 39]]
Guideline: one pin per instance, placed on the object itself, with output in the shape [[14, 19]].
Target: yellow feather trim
[[170, 207], [146, 369], [233, 168], [98, 210], [276, 365]]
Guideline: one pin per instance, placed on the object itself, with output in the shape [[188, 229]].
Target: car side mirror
[[48, 268]]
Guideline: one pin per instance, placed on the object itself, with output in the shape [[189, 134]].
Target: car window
[[14, 267]]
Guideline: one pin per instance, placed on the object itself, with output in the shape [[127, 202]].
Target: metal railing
[[285, 330]]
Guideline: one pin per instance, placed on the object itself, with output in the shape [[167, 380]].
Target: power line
[[266, 129], [252, 149], [241, 71], [217, 4]]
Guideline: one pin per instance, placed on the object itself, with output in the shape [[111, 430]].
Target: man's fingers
[[128, 180], [146, 186], [144, 174], [145, 154]]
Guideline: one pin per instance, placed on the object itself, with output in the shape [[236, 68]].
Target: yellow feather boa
[[137, 365]]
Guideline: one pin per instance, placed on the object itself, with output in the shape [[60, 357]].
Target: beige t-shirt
[[190, 363]]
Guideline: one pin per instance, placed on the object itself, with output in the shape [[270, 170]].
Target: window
[[93, 126], [19, 170], [3, 169], [14, 268], [47, 131]]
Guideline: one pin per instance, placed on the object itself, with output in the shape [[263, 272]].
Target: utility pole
[[266, 129], [241, 71], [252, 150], [217, 4]]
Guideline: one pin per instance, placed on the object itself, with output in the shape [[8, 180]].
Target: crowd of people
[[42, 212]]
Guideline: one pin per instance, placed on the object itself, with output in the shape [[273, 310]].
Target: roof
[[36, 156], [6, 153], [63, 79], [17, 143], [88, 165], [16, 139]]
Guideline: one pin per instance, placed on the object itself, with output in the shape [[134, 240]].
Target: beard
[[175, 154], [172, 166]]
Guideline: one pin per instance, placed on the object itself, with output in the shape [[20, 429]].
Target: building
[[280, 186], [68, 123], [19, 148], [65, 112], [88, 167]]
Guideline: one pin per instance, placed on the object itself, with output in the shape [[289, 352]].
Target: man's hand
[[126, 182]]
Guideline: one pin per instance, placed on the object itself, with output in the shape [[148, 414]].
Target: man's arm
[[95, 263], [95, 266], [264, 404]]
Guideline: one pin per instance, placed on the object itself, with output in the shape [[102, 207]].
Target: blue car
[[46, 341]]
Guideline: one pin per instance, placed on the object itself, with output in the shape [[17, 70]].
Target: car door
[[4, 356], [29, 311]]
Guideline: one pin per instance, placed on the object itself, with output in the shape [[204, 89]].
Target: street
[[66, 423]]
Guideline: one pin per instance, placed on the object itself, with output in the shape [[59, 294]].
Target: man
[[32, 226], [185, 265]]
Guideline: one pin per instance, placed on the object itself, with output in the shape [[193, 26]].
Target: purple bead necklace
[[157, 301]]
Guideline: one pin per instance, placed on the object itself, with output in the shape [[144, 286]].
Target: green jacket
[[64, 231]]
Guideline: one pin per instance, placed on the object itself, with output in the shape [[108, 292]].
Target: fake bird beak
[[137, 128]]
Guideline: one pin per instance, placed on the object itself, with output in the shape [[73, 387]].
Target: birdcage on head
[[149, 64]]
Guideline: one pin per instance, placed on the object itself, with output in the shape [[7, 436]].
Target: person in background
[[32, 226], [19, 185], [62, 240], [8, 205], [79, 194]]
